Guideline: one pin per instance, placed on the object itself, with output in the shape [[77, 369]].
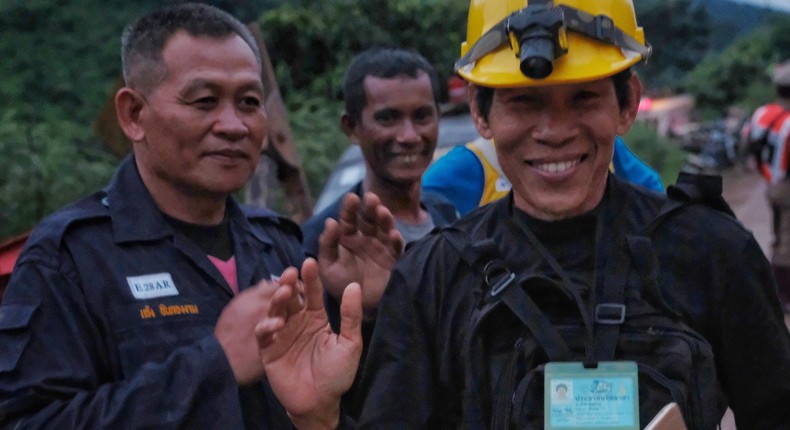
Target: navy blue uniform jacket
[[109, 316]]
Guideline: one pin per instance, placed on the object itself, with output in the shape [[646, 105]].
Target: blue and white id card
[[604, 398]]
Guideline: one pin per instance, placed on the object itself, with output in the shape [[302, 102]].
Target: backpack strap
[[612, 264], [566, 286], [692, 188], [501, 286]]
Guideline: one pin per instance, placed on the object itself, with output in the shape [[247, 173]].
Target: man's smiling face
[[555, 143]]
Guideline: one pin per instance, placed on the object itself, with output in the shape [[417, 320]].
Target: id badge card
[[604, 398]]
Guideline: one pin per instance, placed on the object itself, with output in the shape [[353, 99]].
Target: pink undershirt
[[228, 270]]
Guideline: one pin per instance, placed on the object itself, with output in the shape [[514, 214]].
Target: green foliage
[[740, 75], [662, 154], [679, 34], [310, 46], [316, 126], [46, 165], [61, 60]]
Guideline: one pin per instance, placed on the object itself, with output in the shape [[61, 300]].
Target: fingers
[[373, 216], [313, 290], [265, 330], [397, 244], [280, 308], [349, 214], [284, 302], [369, 217], [289, 276], [295, 296], [328, 241], [351, 314]]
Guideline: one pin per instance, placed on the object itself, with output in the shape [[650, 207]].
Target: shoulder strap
[[500, 286], [690, 189], [612, 265]]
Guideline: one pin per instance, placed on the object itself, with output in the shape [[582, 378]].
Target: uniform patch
[[152, 285]]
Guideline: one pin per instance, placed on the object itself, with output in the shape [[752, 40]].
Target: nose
[[230, 123], [555, 127], [409, 133]]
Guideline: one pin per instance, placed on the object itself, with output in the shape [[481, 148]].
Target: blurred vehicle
[[350, 168], [716, 145]]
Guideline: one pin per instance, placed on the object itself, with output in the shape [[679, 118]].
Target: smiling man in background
[[391, 113]]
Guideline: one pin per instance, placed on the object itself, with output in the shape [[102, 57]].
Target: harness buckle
[[497, 276], [609, 313]]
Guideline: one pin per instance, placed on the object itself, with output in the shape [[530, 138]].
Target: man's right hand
[[309, 366], [362, 246]]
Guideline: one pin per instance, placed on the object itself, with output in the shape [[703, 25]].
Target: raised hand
[[308, 366], [235, 329], [362, 247]]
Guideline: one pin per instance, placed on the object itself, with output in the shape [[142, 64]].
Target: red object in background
[[456, 88], [645, 104], [9, 252]]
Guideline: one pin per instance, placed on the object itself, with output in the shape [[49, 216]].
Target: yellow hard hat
[[517, 43]]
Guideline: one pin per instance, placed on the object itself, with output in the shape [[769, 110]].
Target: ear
[[474, 108], [349, 127], [128, 107], [631, 108]]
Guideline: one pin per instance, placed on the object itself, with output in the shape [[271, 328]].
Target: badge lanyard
[[579, 395]]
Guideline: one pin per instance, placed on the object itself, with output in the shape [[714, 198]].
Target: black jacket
[[711, 273], [108, 320]]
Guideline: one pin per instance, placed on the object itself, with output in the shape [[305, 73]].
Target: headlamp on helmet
[[537, 34], [539, 37]]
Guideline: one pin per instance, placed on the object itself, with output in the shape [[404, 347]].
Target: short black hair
[[783, 91], [384, 63], [485, 95], [143, 40]]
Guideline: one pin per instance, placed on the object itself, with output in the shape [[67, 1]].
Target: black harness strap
[[611, 275]]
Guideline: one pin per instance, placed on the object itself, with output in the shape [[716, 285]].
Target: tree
[[741, 74], [38, 176], [679, 33]]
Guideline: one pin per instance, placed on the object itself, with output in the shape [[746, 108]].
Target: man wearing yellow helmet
[[629, 299]]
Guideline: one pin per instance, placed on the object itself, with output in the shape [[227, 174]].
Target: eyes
[[246, 102], [391, 117], [537, 100]]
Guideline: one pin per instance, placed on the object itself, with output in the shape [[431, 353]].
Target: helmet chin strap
[[597, 27]]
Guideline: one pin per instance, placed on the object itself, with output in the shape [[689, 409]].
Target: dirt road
[[744, 190]]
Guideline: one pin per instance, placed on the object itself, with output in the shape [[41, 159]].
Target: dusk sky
[[783, 5]]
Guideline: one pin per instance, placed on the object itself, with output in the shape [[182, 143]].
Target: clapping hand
[[308, 366], [363, 246]]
